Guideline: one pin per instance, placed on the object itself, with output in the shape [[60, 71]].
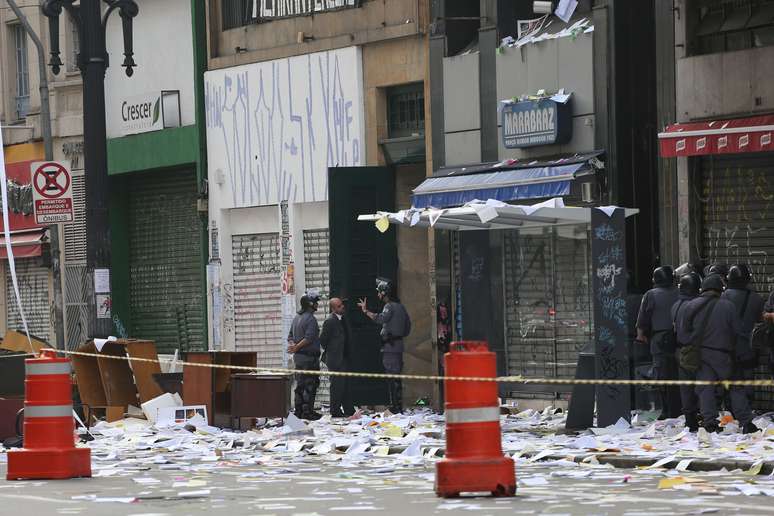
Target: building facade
[[157, 170], [715, 101], [529, 94], [315, 113], [22, 139]]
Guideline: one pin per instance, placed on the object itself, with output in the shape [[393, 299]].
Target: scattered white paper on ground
[[413, 450], [537, 480], [683, 465], [294, 423], [660, 463]]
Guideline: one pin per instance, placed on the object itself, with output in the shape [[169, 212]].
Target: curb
[[629, 462], [623, 461]]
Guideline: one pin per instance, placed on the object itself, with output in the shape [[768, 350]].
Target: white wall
[[163, 51], [274, 128]]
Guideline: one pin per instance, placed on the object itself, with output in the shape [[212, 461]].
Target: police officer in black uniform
[[396, 325], [688, 288], [304, 345], [749, 309], [655, 326], [713, 322], [717, 268]]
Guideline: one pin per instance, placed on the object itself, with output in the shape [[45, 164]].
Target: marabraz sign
[[531, 123], [52, 193]]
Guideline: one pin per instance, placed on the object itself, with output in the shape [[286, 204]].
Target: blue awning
[[502, 185]]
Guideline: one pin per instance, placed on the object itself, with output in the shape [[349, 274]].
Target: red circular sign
[[51, 180]]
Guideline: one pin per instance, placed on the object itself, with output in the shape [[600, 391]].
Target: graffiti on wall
[[737, 209], [275, 127]]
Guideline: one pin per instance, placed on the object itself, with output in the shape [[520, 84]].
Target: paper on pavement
[[294, 423]]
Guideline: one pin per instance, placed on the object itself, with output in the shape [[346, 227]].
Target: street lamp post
[[91, 23]]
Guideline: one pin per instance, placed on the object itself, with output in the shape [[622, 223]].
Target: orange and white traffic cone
[[474, 460], [49, 450]]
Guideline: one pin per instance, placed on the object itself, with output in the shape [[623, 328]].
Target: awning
[[490, 214], [739, 135], [24, 245], [508, 180]]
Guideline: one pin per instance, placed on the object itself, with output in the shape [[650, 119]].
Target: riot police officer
[[713, 323], [304, 345], [717, 268], [688, 288], [396, 325], [655, 326], [749, 310]]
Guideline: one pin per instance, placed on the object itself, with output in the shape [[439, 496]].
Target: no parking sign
[[52, 193]]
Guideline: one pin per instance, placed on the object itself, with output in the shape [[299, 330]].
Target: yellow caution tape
[[435, 378]]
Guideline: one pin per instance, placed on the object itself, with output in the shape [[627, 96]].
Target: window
[[73, 45], [728, 25], [22, 71], [406, 110]]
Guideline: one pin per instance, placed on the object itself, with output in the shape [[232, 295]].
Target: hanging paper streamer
[[382, 224], [8, 248], [19, 197]]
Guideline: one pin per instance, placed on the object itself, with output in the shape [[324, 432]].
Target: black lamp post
[[93, 62]]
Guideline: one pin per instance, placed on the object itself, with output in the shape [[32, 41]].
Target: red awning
[[23, 245], [718, 137]]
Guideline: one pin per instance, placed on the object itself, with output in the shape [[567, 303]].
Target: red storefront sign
[[740, 135]]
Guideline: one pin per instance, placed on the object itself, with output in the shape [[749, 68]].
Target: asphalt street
[[318, 487]]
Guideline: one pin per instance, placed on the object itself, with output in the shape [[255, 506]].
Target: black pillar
[[608, 270], [93, 62]]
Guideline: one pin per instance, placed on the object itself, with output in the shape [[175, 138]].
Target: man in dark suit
[[334, 340]]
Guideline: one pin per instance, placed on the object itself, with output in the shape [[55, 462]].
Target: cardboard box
[[17, 341]]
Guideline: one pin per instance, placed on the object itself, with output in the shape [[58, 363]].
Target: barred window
[[406, 110], [727, 25]]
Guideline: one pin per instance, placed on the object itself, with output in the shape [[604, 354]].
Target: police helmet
[[717, 268], [309, 299], [663, 276], [385, 286], [684, 269], [690, 284], [712, 282], [738, 276]]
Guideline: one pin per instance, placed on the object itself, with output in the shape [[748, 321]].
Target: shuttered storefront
[[166, 290], [736, 206], [76, 308], [257, 297], [316, 270], [548, 309], [32, 279]]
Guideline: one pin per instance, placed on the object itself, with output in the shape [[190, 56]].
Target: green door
[[360, 253], [166, 290]]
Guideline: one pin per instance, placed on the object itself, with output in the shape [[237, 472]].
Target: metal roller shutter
[[76, 307], [257, 297], [166, 290], [737, 226], [33, 290], [573, 322], [547, 300], [316, 270], [528, 296]]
